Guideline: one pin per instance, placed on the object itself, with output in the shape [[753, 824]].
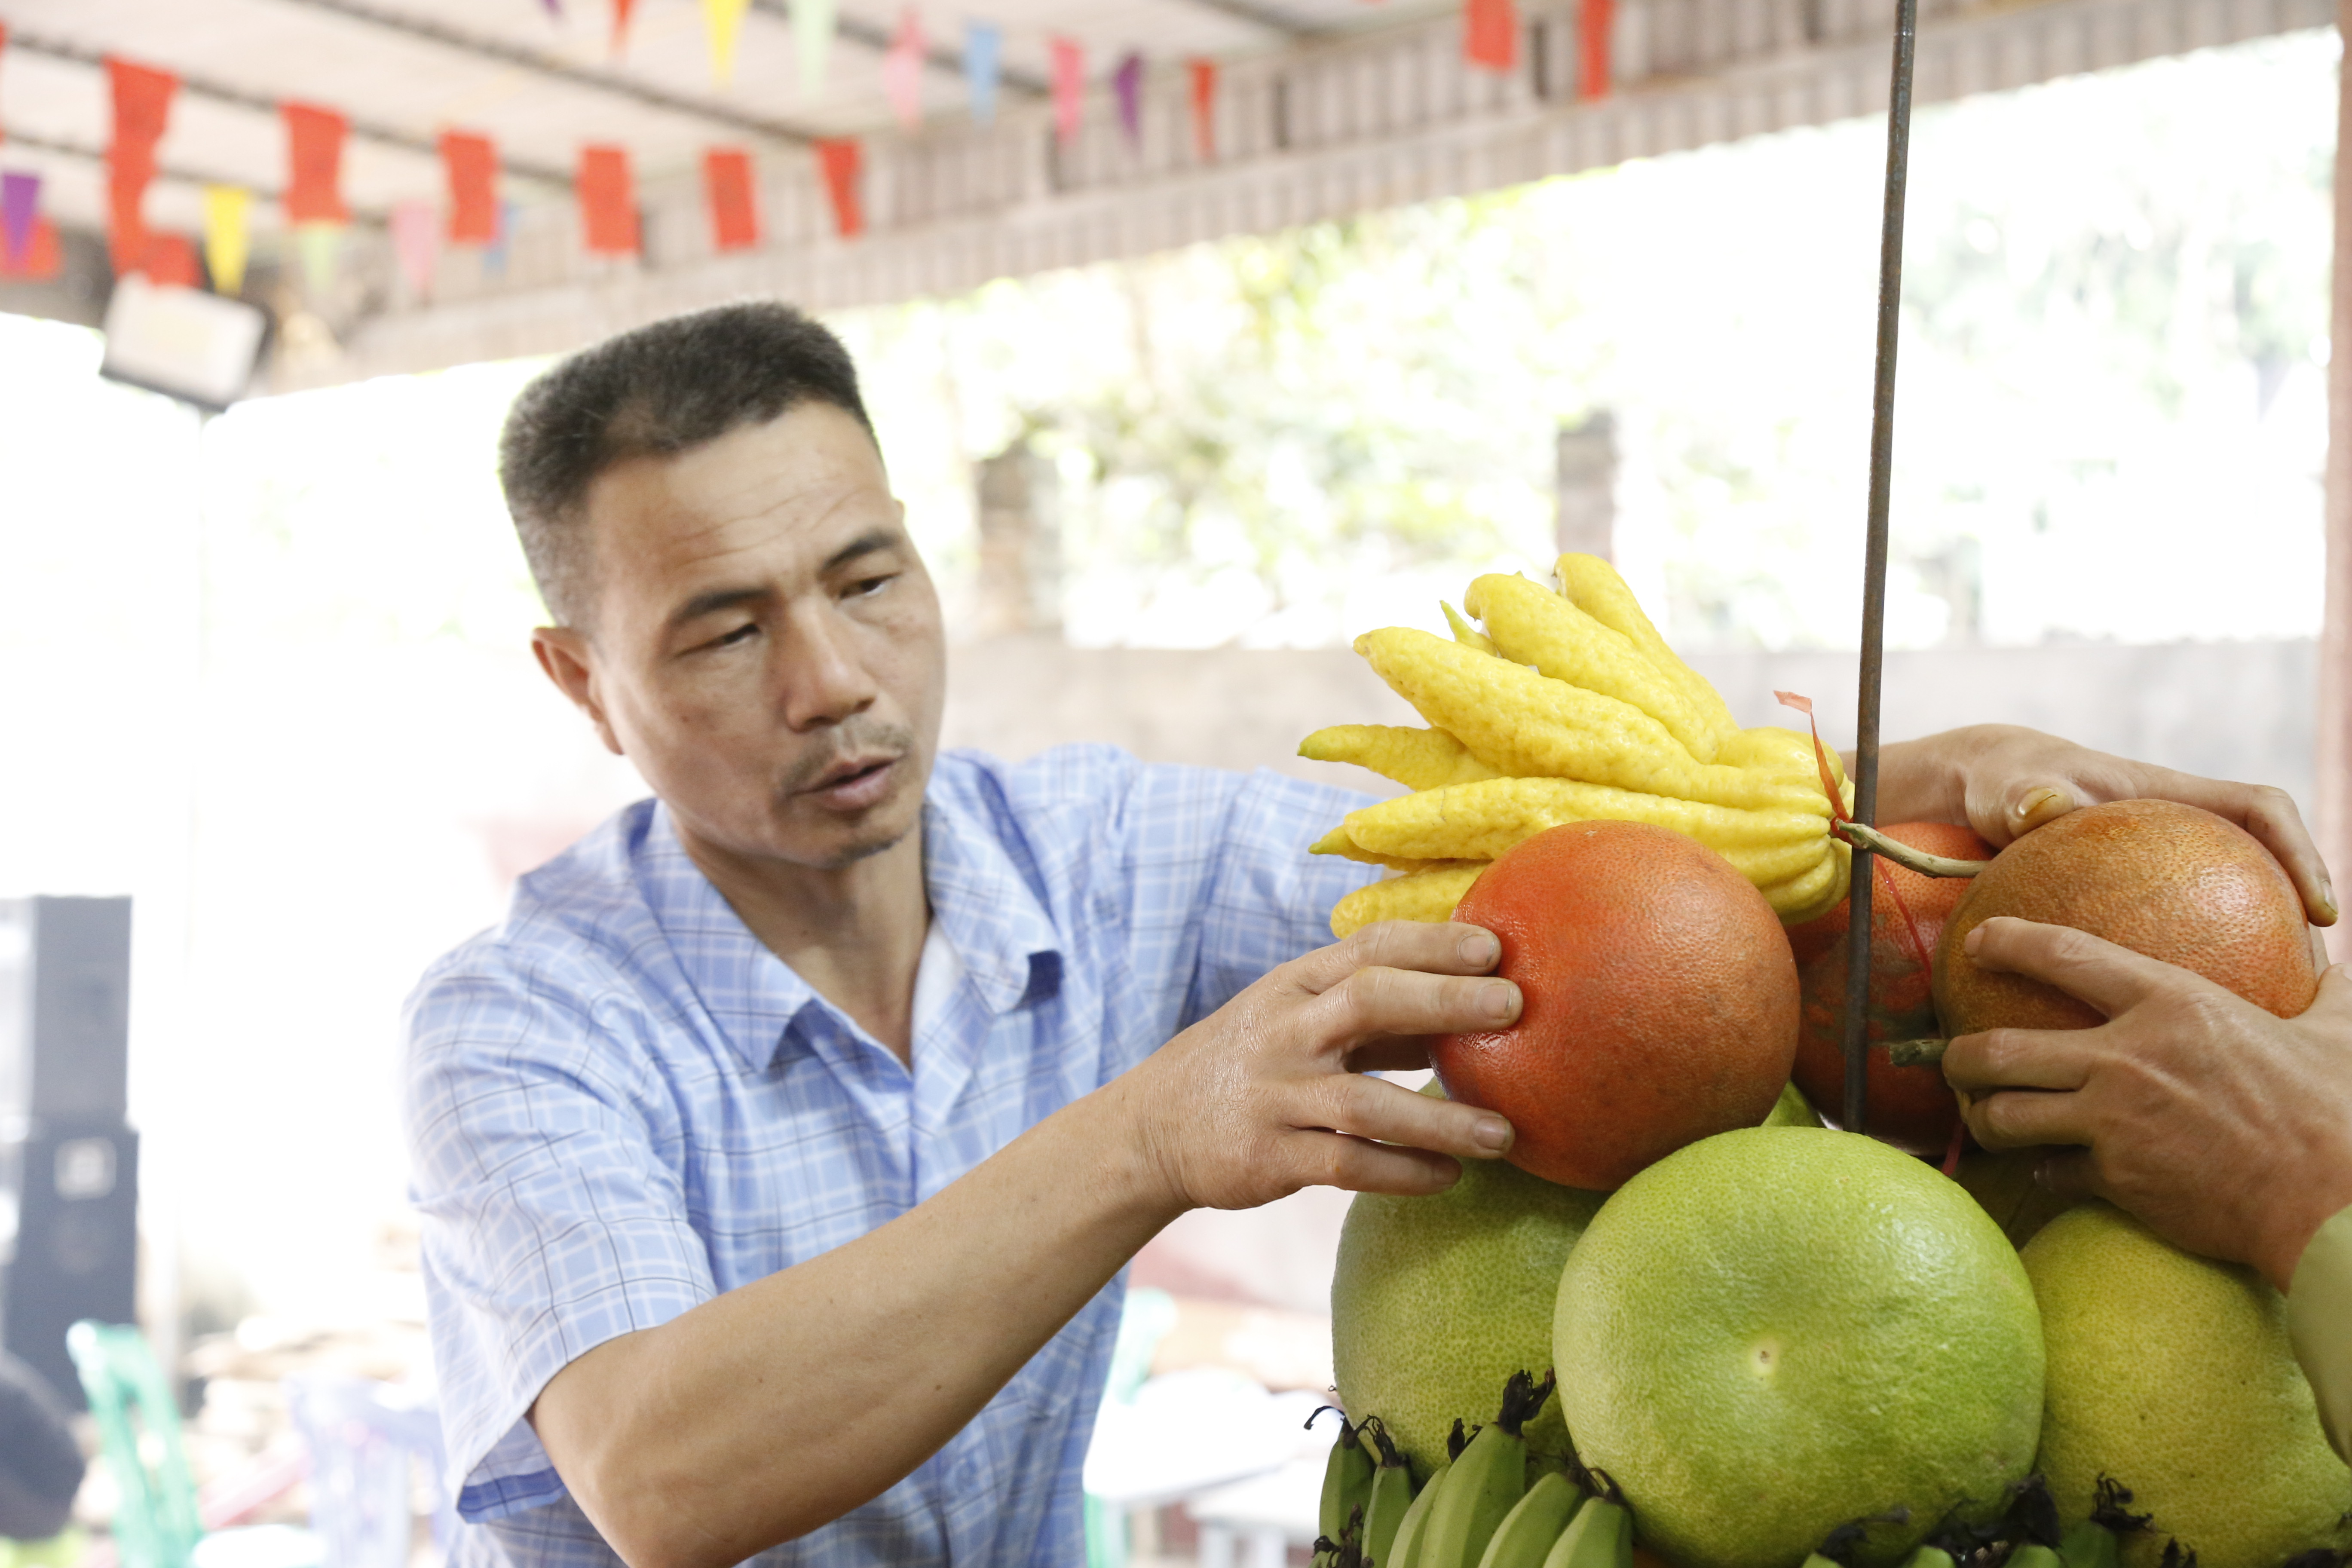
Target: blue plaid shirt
[[620, 1104]]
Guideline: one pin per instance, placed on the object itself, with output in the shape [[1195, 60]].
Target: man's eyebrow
[[865, 543], [712, 602]]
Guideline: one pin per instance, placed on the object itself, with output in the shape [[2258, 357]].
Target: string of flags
[[471, 212]]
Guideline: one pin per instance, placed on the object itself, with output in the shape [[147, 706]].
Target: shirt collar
[[1005, 938]]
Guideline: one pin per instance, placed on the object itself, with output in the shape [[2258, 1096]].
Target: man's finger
[[2027, 1118], [1353, 1165], [1391, 1113], [1381, 1001], [2020, 1058], [2092, 969], [2020, 805], [2068, 1175], [1423, 945]]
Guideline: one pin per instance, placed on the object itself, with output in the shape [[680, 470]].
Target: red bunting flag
[[622, 9], [1069, 71], [1205, 106], [1490, 33], [1596, 21], [608, 200], [727, 182], [837, 160], [471, 164], [142, 103], [42, 259], [314, 164], [171, 262]]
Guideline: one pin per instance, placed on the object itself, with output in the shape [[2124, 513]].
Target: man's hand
[[2226, 1129], [2004, 781], [1269, 1094]]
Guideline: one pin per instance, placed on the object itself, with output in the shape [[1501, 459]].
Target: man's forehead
[[812, 471]]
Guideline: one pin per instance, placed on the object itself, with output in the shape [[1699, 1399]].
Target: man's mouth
[[854, 783]]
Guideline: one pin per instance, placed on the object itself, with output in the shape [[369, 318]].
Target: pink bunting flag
[[1069, 73], [416, 240], [902, 70], [1127, 86], [20, 204]]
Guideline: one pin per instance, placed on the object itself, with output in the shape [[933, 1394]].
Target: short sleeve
[[552, 1221]]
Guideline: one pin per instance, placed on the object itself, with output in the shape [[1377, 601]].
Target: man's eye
[[740, 634], [866, 588]]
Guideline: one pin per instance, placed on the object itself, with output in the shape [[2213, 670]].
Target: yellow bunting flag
[[226, 240], [725, 20]]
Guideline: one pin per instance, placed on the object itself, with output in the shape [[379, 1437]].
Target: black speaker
[[67, 1158]]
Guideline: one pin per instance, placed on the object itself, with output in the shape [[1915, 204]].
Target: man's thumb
[[2028, 804]]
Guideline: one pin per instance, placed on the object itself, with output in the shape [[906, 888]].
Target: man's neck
[[854, 932]]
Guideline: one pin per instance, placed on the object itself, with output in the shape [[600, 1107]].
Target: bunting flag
[[1596, 22], [471, 164], [226, 236], [1205, 106], [622, 11], [1127, 86], [142, 104], [727, 184], [812, 41], [608, 200], [1069, 72], [724, 21], [314, 161], [902, 70], [321, 246], [171, 262], [983, 55], [20, 208], [416, 241], [494, 252], [44, 259], [838, 159], [554, 8], [1490, 33]]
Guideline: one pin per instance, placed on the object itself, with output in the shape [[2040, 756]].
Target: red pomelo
[[1912, 1108], [1660, 1001], [2162, 878]]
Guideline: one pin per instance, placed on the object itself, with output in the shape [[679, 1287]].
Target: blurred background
[[266, 672]]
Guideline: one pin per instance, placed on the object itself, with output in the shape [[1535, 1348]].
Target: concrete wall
[[2241, 710]]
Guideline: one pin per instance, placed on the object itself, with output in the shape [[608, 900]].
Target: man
[[40, 1464], [779, 1152]]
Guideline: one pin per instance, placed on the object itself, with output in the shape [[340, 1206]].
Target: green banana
[[1391, 1496], [1933, 1557], [1600, 1536], [1347, 1476], [1526, 1532], [1485, 1483], [1405, 1549], [2094, 1543]]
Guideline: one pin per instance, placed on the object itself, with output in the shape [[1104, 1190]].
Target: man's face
[[766, 645]]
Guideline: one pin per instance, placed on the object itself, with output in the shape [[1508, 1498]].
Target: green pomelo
[[1436, 1301], [2173, 1373], [1776, 1331]]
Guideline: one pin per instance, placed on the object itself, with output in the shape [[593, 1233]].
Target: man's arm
[[2005, 781], [767, 1411], [2227, 1131]]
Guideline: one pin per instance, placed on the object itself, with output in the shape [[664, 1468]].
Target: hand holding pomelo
[[1660, 1001], [1778, 1330]]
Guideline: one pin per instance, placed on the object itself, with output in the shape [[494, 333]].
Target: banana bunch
[[1478, 1508], [1568, 706]]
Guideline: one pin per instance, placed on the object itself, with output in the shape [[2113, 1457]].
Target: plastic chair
[[365, 1437], [155, 1523]]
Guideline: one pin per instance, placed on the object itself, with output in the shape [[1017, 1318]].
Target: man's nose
[[824, 679]]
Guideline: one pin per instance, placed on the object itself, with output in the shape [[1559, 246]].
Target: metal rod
[[1874, 569]]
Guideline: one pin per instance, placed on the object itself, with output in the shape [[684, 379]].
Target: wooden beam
[[939, 58]]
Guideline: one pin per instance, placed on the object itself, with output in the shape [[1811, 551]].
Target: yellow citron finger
[[1337, 842], [1464, 633], [1482, 821], [1592, 586], [1817, 891], [1417, 759], [1525, 724], [1423, 896], [1534, 625]]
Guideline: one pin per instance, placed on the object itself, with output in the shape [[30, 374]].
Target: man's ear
[[564, 654]]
